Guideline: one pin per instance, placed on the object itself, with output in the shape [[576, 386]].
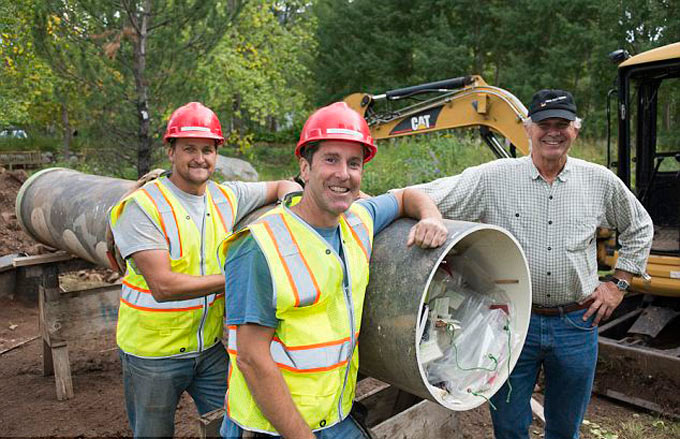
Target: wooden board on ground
[[423, 420], [77, 319], [85, 319], [392, 414]]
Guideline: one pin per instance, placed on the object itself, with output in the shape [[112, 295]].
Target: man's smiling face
[[333, 178]]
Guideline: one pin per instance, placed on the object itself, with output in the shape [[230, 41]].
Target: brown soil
[[29, 405], [12, 238]]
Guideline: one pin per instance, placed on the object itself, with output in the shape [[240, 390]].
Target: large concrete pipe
[[400, 280], [66, 209]]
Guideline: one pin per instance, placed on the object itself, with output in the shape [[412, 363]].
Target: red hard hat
[[196, 121], [337, 122]]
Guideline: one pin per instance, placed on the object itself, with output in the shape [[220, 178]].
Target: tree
[[257, 76], [132, 58], [26, 80]]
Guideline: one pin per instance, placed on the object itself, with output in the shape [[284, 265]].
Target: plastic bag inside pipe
[[466, 340]]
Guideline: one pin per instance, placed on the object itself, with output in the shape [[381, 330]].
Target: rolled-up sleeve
[[634, 225]]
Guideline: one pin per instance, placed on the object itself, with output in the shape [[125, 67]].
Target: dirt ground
[[29, 407], [12, 238]]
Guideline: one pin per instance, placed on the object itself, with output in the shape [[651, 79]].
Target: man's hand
[[266, 383], [606, 298], [428, 233]]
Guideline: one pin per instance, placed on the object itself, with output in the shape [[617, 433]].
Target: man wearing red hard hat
[[296, 280], [172, 301]]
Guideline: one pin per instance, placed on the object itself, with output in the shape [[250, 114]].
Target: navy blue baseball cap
[[552, 103]]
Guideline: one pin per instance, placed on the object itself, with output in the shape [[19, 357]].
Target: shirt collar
[[562, 176]]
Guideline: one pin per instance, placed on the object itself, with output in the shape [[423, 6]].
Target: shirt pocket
[[581, 233]]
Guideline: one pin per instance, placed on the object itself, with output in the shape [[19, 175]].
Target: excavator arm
[[457, 103]]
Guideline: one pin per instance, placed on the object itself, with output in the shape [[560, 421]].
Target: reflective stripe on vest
[[301, 359], [300, 277], [167, 217], [222, 204], [139, 298], [360, 232]]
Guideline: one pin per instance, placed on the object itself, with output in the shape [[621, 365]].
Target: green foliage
[[273, 161], [131, 60], [522, 46], [412, 160], [26, 82], [257, 78]]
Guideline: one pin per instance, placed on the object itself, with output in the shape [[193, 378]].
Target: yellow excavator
[[468, 102], [463, 102]]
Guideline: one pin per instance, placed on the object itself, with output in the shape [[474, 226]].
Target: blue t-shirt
[[249, 292]]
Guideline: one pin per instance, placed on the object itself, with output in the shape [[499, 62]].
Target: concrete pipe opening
[[446, 324]]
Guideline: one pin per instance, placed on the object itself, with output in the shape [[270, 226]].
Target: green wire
[[491, 357], [507, 400], [487, 399]]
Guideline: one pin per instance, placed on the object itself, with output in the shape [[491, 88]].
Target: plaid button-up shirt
[[555, 223]]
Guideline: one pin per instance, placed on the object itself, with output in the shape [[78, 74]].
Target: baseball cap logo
[[559, 98]]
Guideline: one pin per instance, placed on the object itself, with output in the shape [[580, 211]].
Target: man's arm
[[167, 285], [266, 383], [430, 231], [276, 190], [636, 231]]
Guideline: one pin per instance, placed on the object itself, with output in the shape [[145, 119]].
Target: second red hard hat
[[337, 122]]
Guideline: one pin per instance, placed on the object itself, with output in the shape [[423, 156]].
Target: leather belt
[[557, 310]]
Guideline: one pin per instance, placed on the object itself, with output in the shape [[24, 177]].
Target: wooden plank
[[62, 372], [380, 404], [210, 423], [25, 261], [48, 366], [85, 318], [537, 410], [18, 345], [423, 420]]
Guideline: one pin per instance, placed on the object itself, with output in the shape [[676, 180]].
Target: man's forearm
[[273, 398], [179, 286]]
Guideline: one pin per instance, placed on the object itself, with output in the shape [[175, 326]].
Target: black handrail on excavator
[[444, 85]]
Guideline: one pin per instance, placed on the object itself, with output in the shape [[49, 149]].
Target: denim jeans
[[566, 347], [347, 429], [153, 388]]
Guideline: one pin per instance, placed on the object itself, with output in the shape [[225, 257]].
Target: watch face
[[622, 284]]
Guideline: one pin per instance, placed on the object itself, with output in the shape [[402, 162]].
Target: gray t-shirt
[[136, 232]]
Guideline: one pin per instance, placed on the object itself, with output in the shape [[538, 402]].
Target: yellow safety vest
[[151, 329], [315, 343]]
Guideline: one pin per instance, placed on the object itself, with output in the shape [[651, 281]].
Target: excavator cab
[[648, 88]]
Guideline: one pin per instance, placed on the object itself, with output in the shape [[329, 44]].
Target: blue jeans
[[566, 347], [153, 388], [347, 429]]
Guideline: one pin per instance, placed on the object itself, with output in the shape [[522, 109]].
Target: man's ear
[[171, 153], [305, 168]]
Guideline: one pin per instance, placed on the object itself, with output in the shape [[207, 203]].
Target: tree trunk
[[142, 90], [68, 133]]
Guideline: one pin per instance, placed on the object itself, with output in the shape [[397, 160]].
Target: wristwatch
[[621, 284]]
